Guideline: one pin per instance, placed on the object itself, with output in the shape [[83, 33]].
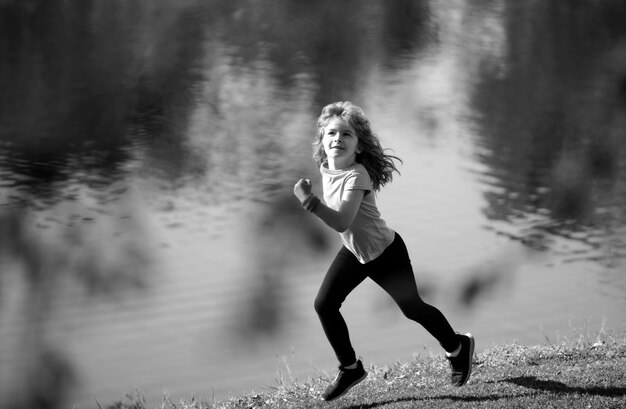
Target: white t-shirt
[[368, 236]]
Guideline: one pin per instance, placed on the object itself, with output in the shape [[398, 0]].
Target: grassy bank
[[587, 372]]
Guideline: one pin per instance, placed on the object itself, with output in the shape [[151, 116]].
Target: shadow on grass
[[530, 382], [487, 398], [559, 387]]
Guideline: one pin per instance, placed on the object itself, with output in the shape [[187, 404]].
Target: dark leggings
[[393, 272]]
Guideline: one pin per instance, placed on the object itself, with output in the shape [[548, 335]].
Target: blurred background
[[149, 238]]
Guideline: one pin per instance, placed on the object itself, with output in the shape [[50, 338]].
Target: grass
[[586, 372]]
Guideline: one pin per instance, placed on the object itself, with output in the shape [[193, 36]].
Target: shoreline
[[583, 372]]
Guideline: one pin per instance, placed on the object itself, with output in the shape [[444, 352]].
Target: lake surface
[[149, 237]]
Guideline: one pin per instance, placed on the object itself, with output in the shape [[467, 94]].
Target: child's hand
[[302, 189]]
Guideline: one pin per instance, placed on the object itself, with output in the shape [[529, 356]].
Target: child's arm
[[342, 218], [338, 220]]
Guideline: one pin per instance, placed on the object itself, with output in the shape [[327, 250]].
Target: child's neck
[[339, 164]]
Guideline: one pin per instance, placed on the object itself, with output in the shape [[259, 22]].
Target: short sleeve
[[359, 180]]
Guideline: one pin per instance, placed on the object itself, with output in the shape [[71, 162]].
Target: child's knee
[[412, 314], [323, 305], [320, 305]]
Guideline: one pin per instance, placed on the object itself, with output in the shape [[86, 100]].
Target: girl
[[353, 167]]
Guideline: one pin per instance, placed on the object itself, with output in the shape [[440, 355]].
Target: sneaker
[[461, 365], [346, 379]]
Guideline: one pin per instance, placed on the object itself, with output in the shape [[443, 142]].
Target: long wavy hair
[[379, 165]]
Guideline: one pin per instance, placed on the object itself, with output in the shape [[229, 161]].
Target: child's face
[[341, 143]]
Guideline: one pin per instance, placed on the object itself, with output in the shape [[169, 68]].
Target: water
[[148, 233]]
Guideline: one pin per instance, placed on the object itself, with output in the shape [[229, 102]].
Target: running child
[[354, 167]]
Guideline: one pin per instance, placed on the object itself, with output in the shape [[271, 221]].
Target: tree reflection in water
[[47, 257], [82, 83]]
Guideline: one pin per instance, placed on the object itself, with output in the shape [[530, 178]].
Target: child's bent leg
[[403, 290], [393, 272], [342, 277], [400, 284]]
